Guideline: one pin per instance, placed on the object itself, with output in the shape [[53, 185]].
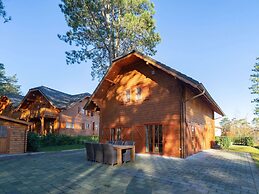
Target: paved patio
[[212, 171]]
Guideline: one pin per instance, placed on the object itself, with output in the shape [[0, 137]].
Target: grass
[[253, 151], [61, 148]]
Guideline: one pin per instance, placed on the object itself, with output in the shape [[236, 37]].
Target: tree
[[3, 12], [236, 127], [106, 29], [255, 87], [225, 123], [8, 84]]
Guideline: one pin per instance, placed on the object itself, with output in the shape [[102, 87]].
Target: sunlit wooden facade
[[52, 111], [164, 111], [8, 105]]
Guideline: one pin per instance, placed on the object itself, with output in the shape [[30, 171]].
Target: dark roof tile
[[59, 99]]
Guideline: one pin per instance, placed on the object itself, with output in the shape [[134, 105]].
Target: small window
[[112, 134], [69, 125], [128, 95], [92, 113], [3, 131], [118, 134], [138, 93], [83, 126], [87, 125]]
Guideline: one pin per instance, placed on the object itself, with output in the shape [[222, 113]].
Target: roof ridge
[[46, 87]]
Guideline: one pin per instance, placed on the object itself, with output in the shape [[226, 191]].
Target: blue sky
[[214, 41]]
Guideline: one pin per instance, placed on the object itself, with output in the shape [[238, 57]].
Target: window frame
[[138, 93], [127, 95]]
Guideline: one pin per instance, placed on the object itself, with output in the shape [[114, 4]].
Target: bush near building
[[246, 141], [36, 142], [223, 141]]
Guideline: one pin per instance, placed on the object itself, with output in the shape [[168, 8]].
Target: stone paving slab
[[211, 171]]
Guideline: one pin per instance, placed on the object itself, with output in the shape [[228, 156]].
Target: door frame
[[147, 138]]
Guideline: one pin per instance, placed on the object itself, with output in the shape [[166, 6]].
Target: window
[[138, 93], [154, 138], [92, 113], [93, 126], [3, 131], [87, 125], [115, 134], [118, 134], [128, 95], [69, 125], [83, 126], [112, 134]]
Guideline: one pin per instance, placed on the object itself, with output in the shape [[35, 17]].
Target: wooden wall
[[78, 118], [16, 141], [160, 104], [200, 127]]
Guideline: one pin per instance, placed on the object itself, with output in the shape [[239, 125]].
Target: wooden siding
[[71, 115], [38, 110], [16, 140], [160, 104], [187, 126], [7, 109], [200, 127]]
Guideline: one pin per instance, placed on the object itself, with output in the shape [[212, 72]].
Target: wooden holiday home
[[164, 111], [52, 111], [13, 135], [8, 105]]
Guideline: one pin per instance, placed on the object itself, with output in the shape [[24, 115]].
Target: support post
[[42, 125]]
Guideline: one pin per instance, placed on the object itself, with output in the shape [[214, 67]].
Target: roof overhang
[[15, 120]]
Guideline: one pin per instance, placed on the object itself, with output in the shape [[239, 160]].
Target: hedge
[[246, 141], [35, 141]]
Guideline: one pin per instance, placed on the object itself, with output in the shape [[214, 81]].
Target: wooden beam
[[110, 81], [42, 125]]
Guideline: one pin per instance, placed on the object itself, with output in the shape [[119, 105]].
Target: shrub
[[223, 141], [60, 139], [57, 139], [33, 142], [246, 141]]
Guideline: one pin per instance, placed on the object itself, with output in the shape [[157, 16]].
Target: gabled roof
[[15, 99], [176, 74], [58, 99]]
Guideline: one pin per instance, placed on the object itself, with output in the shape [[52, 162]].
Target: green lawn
[[253, 151], [62, 147]]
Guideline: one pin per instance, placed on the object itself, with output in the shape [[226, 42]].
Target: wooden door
[[3, 140], [154, 139]]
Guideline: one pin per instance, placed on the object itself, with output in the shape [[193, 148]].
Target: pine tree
[[106, 29], [8, 84]]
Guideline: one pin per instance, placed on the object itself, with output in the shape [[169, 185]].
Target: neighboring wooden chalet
[[164, 111], [13, 135], [8, 105], [53, 111]]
